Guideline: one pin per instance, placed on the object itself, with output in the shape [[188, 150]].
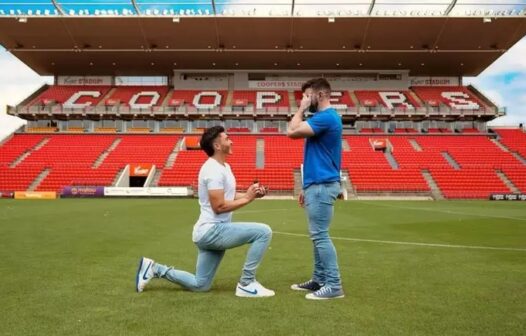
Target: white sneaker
[[253, 289], [144, 273]]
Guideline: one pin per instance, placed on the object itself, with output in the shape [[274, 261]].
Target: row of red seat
[[456, 97], [514, 139], [71, 158]]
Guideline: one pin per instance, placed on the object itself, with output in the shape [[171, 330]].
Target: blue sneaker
[[326, 293], [310, 285]]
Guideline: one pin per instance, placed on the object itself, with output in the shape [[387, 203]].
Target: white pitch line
[[412, 243], [444, 211]]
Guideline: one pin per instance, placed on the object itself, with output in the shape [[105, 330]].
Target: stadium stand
[[70, 159], [137, 96], [41, 129], [176, 130], [141, 149], [263, 99], [456, 97], [71, 96], [75, 130], [387, 98], [139, 130], [339, 99], [514, 139], [200, 99], [369, 170], [269, 130]]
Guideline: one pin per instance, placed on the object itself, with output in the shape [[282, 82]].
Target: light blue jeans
[[212, 247], [319, 205]]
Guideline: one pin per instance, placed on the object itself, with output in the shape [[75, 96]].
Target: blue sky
[[504, 82]]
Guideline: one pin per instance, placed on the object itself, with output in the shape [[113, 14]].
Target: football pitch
[[408, 268]]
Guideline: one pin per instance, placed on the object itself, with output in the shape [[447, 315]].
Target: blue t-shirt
[[323, 151]]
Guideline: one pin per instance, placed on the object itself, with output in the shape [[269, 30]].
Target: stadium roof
[[264, 8], [154, 37]]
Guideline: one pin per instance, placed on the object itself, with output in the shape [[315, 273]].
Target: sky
[[504, 82]]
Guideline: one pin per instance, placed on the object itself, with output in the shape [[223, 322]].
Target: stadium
[[430, 232]]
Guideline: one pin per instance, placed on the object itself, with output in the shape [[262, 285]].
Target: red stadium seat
[[72, 96], [263, 99], [456, 97], [390, 99]]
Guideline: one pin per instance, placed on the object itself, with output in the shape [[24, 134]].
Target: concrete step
[[260, 153], [34, 185], [519, 157], [108, 95], [500, 145], [170, 161], [450, 160], [435, 189], [24, 155], [107, 152], [507, 181], [345, 145], [391, 159], [166, 99], [156, 178], [416, 98], [354, 99], [415, 145]]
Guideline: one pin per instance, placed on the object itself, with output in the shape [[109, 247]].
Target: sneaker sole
[[298, 288], [137, 275], [243, 295], [324, 298]]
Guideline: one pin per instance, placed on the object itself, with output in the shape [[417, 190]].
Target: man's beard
[[313, 107]]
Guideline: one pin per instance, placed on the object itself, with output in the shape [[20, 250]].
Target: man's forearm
[[229, 206], [296, 120]]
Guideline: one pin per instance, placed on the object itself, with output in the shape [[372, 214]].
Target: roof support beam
[[137, 11], [214, 7], [218, 38], [57, 6], [370, 10], [450, 7]]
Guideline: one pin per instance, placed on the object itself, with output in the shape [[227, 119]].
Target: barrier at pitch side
[[7, 194], [507, 197], [148, 192], [35, 195], [82, 191]]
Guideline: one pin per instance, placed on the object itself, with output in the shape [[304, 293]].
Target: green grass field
[[68, 268]]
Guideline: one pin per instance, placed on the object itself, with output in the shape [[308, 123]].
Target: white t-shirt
[[212, 176]]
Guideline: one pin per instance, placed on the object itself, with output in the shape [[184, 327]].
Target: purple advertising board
[[6, 194], [82, 191]]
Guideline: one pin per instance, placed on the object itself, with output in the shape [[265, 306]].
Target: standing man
[[321, 183], [214, 232]]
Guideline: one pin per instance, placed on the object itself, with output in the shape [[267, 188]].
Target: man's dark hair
[[207, 140], [306, 85], [320, 84]]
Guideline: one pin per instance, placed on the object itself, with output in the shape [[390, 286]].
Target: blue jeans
[[319, 205], [212, 248]]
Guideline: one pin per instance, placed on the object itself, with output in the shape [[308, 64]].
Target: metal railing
[[187, 111]]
